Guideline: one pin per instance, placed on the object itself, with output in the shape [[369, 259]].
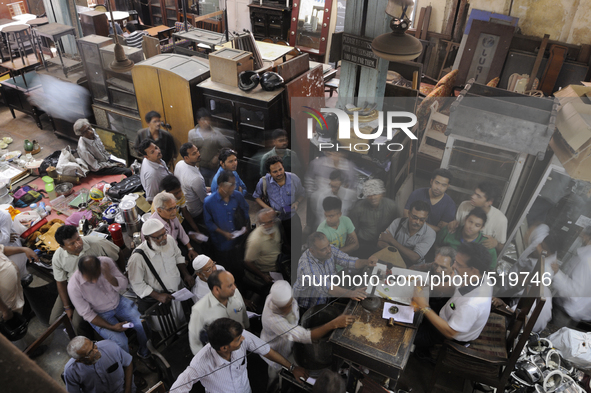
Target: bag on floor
[[69, 165], [575, 346], [50, 160], [124, 187]]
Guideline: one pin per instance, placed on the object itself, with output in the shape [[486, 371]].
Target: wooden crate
[[227, 63]]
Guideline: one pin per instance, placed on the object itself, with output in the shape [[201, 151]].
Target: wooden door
[[178, 109], [147, 91]]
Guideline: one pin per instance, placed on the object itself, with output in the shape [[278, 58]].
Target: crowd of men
[[200, 237]]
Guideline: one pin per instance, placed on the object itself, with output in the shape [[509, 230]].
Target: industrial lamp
[[397, 45], [121, 62]]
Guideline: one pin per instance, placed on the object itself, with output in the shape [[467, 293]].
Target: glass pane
[[123, 99], [253, 118], [222, 109], [483, 57], [310, 23], [479, 159]]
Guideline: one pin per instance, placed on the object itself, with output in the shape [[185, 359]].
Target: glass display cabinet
[[119, 85]]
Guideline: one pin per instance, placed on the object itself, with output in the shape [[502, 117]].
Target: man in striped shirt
[[221, 365], [135, 36]]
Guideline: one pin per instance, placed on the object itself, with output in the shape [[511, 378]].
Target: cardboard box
[[572, 140], [225, 65], [572, 93]]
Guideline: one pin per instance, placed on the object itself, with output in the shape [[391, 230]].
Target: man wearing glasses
[[98, 367], [93, 152], [165, 206], [411, 236], [204, 267]]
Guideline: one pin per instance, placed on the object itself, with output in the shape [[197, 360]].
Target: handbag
[[147, 302], [126, 186]]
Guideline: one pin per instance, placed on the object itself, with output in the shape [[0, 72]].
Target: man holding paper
[[465, 314]]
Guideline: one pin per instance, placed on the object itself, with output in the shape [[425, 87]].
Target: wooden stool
[[332, 85]]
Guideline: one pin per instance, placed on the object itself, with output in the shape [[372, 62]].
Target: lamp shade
[[397, 45], [121, 63]]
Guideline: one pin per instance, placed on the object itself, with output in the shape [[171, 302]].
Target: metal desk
[[370, 342], [199, 37], [55, 31]]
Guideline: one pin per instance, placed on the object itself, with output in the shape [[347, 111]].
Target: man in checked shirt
[[221, 364]]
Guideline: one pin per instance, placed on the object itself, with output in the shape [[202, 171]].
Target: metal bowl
[[64, 189]]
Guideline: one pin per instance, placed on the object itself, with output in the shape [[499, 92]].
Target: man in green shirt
[[291, 163], [470, 232], [339, 229]]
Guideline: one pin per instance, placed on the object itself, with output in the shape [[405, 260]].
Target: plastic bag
[[75, 218], [69, 165], [21, 219], [575, 346]]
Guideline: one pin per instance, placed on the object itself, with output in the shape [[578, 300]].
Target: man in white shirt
[[93, 152], [221, 365], [153, 168], [280, 324], [9, 238], [496, 223], [224, 300], [204, 266], [571, 285], [465, 314], [192, 182]]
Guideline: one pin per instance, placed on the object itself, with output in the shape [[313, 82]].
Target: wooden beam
[[419, 25], [539, 58], [458, 30], [451, 18], [425, 27]]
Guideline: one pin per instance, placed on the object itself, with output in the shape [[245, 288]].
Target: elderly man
[[371, 216], [280, 324], [226, 211], [11, 290], [224, 300], [192, 182], [228, 162], [411, 236], [204, 267], [95, 289], [153, 168], [159, 250], [262, 250], [172, 185], [166, 208], [221, 365], [93, 152], [65, 263], [209, 140], [464, 315], [11, 239], [320, 261], [163, 139], [101, 367]]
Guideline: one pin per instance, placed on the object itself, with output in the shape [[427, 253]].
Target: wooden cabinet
[[250, 117], [269, 22], [94, 22], [164, 12], [167, 84]]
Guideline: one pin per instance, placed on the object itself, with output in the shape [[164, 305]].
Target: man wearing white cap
[[203, 266], [162, 252], [280, 324]]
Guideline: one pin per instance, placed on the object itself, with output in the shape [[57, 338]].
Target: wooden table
[[55, 31], [269, 51], [156, 31], [370, 342]]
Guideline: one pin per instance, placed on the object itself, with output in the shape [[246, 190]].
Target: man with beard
[[161, 251], [411, 236], [100, 367], [153, 168], [443, 208], [204, 266], [192, 182]]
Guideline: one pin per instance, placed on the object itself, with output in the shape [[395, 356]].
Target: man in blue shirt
[[283, 192], [225, 212], [443, 208], [228, 162]]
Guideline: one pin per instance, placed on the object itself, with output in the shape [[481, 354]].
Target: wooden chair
[[211, 22], [17, 8], [150, 46], [492, 356]]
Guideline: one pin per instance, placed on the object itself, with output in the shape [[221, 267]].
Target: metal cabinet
[[89, 48], [248, 119], [269, 22]]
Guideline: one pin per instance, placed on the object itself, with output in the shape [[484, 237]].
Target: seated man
[[203, 266], [571, 285], [11, 239], [172, 185], [280, 324], [262, 249], [319, 261], [443, 208], [153, 168], [95, 292], [337, 188], [221, 366], [371, 216], [228, 162], [93, 152], [161, 251], [65, 263], [496, 223], [224, 300], [226, 211], [161, 138], [188, 173], [289, 157], [470, 232], [11, 290], [339, 229], [101, 367], [135, 36], [411, 236], [465, 314], [166, 209]]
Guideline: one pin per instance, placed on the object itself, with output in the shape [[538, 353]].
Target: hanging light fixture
[[121, 63], [397, 45]]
